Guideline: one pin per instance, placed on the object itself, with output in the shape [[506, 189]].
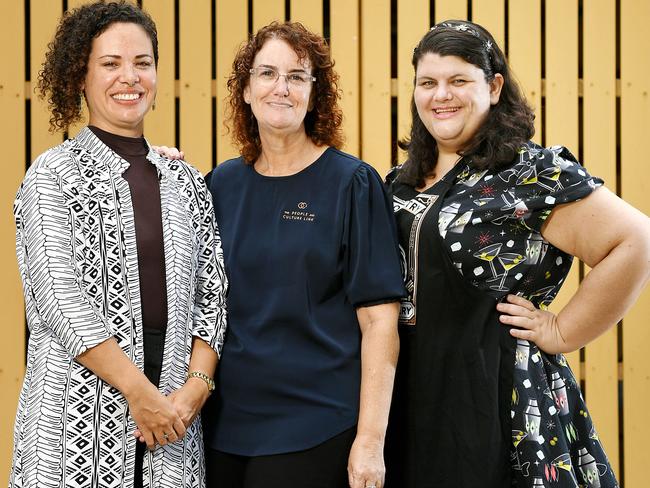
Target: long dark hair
[[508, 124]]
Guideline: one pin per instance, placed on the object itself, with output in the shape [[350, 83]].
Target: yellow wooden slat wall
[[635, 188], [232, 27], [345, 45], [12, 136], [195, 98], [561, 111], [360, 33], [450, 9], [160, 123], [525, 53], [412, 24], [266, 11], [491, 15], [309, 13], [44, 16], [599, 151], [375, 84]]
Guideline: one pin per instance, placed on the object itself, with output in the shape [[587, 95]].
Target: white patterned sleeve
[[46, 258], [211, 283]]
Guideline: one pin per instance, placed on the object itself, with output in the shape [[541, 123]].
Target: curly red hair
[[322, 123]]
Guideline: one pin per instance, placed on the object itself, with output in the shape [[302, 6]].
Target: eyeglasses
[[269, 76]]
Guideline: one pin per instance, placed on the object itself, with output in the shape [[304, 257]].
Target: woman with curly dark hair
[[122, 274], [306, 374], [488, 223]]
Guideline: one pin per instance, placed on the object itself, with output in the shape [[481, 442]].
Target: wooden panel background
[[584, 65]]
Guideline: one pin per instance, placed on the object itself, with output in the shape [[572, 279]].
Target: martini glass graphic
[[508, 260], [488, 253]]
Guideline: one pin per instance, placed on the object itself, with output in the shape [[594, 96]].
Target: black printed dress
[[473, 407]]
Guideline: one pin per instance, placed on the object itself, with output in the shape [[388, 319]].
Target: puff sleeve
[[546, 178], [372, 272]]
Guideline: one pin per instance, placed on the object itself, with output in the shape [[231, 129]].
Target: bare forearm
[[379, 350], [203, 360], [108, 361], [606, 293]]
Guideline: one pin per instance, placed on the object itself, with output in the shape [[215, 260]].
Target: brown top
[[145, 196]]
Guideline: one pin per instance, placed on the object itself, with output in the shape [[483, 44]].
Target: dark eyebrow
[[452, 76], [296, 70], [117, 56]]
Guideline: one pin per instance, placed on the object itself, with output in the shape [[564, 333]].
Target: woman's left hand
[[169, 152], [532, 324], [366, 463], [187, 400]]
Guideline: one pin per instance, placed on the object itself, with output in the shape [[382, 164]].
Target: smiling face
[[120, 84], [280, 106], [453, 98]]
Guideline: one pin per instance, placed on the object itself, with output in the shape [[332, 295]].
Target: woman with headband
[[488, 223]]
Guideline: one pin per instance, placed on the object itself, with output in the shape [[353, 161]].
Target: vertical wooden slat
[[562, 110], [195, 82], [525, 53], [344, 32], [599, 149], [491, 15], [309, 13], [12, 136], [562, 73], [160, 123], [375, 84], [635, 188], [450, 9], [44, 16], [232, 25], [266, 11], [412, 24]]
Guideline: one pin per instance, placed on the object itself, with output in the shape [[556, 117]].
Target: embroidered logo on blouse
[[299, 213]]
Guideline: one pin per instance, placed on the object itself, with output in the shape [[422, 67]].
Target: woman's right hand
[[169, 152], [155, 417], [154, 414]]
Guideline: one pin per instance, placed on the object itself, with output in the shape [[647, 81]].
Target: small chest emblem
[[298, 213]]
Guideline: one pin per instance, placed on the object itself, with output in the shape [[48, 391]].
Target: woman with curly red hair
[[309, 242]]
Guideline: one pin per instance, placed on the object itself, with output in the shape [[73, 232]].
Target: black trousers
[[322, 466], [154, 343]]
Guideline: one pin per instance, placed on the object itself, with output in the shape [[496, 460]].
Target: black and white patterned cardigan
[[75, 239]]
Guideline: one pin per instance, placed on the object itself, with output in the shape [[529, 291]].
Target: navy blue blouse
[[302, 252]]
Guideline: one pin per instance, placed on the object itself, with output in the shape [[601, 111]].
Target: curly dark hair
[[508, 124], [322, 123], [66, 61]]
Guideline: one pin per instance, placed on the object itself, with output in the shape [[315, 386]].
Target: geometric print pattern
[[76, 247]]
